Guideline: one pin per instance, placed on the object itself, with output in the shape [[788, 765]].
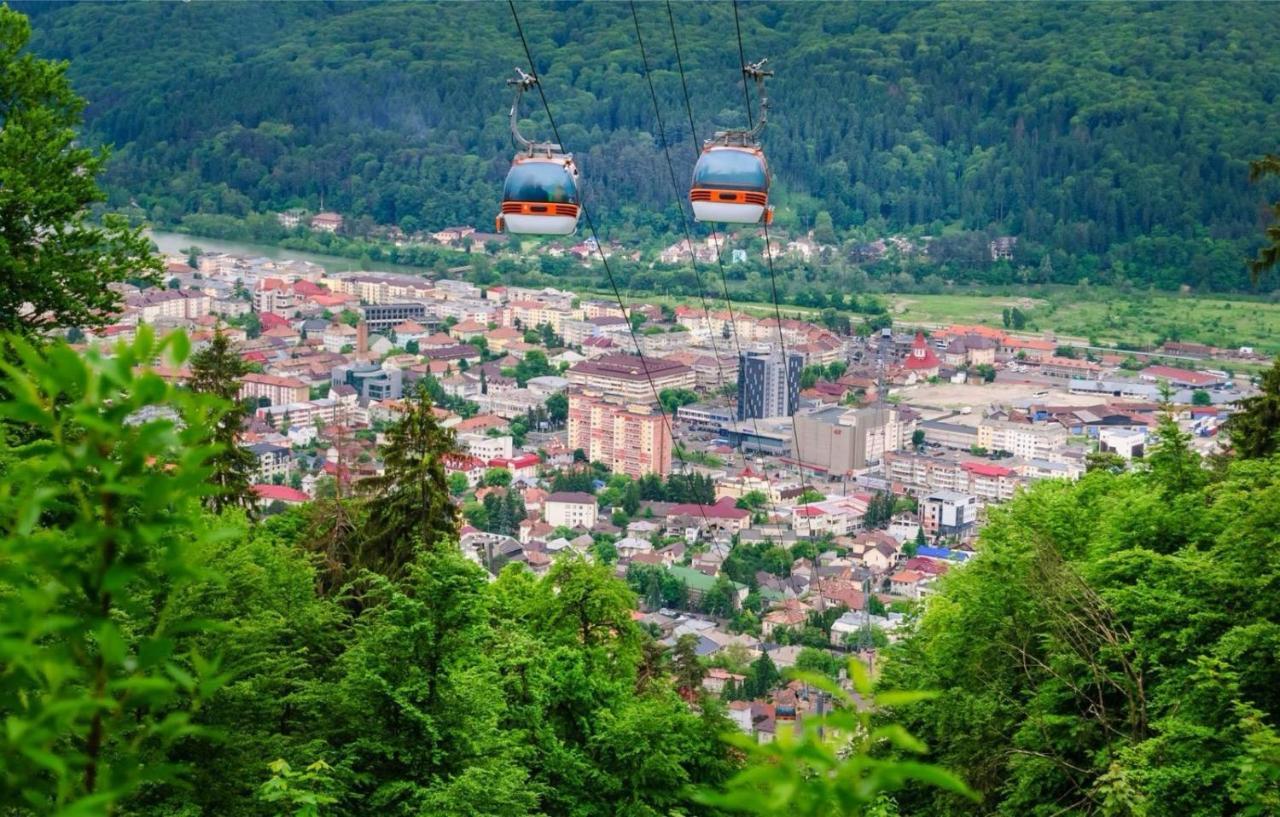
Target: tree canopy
[[1113, 141]]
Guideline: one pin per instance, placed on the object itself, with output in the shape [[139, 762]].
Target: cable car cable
[[675, 187], [724, 278], [768, 254], [613, 284], [742, 59]]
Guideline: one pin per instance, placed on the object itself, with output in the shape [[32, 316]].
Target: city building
[[839, 441], [1129, 443], [948, 513], [271, 460], [326, 222], [371, 381], [921, 360], [1022, 439], [768, 384], [624, 376], [381, 317], [275, 390], [486, 447], [704, 416], [570, 509], [630, 438]]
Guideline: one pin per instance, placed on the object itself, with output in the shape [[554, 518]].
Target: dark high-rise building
[[768, 387]]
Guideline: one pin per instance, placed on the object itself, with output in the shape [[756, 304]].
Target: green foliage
[[820, 661], [47, 233], [1269, 255], [836, 764], [99, 521], [409, 505], [301, 794], [497, 477], [1254, 430], [1117, 147], [558, 408], [1116, 635], [673, 399], [880, 509], [217, 370]]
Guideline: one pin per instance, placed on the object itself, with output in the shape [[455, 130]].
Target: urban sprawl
[[773, 491]]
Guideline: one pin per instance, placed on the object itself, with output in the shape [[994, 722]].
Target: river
[[173, 243]]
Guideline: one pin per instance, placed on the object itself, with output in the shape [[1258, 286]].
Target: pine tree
[[687, 668], [217, 370], [409, 505], [1254, 431]]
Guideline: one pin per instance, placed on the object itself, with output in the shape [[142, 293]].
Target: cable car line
[[613, 284], [742, 60], [768, 242], [675, 187], [724, 278]]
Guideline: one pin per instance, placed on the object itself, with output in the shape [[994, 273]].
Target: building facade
[[630, 438], [839, 440], [624, 376], [275, 390], [768, 384]]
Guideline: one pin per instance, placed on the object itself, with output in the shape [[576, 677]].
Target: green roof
[[697, 580]]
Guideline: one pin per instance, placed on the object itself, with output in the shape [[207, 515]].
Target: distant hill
[[1115, 137]]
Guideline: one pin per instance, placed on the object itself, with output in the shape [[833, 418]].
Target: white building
[[570, 509], [487, 448]]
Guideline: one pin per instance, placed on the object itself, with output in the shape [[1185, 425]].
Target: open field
[[1136, 319], [953, 396]]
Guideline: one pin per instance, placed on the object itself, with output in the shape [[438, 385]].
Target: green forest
[[1112, 139], [167, 650]]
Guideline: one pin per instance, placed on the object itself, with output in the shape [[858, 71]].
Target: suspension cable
[[768, 254], [613, 284], [742, 61], [675, 189], [724, 278]]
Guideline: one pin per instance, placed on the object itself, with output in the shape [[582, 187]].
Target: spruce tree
[[216, 370], [409, 505], [55, 262], [1254, 431]]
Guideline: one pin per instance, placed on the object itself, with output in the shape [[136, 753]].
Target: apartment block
[[624, 376], [276, 390], [631, 438], [1032, 441]]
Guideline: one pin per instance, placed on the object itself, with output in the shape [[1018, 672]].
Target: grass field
[[1109, 318], [1103, 315]]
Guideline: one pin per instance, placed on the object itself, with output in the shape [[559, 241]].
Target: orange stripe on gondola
[[538, 208], [729, 196]]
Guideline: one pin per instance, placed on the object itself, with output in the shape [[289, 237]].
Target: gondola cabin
[[540, 196], [731, 186]]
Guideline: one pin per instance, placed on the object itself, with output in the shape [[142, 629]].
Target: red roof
[[271, 320], [307, 288], [922, 356], [461, 462], [987, 470], [724, 509], [522, 461], [809, 510], [1180, 375], [283, 493]]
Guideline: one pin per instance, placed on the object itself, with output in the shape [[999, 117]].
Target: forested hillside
[[1115, 137], [1116, 648]]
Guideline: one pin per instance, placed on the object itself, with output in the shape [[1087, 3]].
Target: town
[[777, 493]]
